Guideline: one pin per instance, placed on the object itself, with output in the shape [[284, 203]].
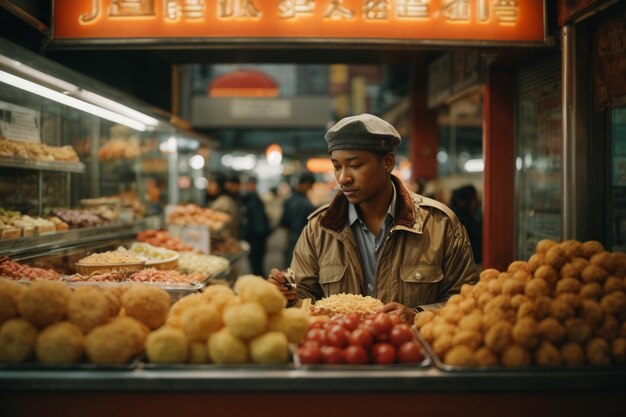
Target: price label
[[197, 236]]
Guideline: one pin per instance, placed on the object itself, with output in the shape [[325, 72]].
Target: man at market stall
[[377, 238]]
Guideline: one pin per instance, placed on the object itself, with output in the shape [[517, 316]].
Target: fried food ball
[[556, 257], [562, 310], [536, 287], [442, 344], [422, 318], [451, 313], [569, 271], [292, 322], [472, 321], [489, 274], [255, 289], [543, 305], [44, 302], [528, 308], [485, 357], [620, 264], [484, 298], [479, 289], [568, 285], [225, 347], [468, 305], [150, 305], [515, 356], [17, 340], [545, 244], [466, 290], [551, 330], [502, 302], [535, 261], [547, 355], [88, 307], [618, 350], [167, 345], [597, 352], [62, 342], [513, 286], [548, 274], [591, 312], [517, 300], [590, 248], [577, 330], [493, 317], [580, 264], [613, 284], [440, 329], [218, 295], [200, 321], [499, 336], [594, 273], [521, 275], [134, 331], [471, 338], [572, 248], [455, 299], [459, 356], [108, 344], [604, 260], [180, 306], [609, 329], [10, 293], [517, 266], [198, 353], [591, 290], [269, 348], [495, 286], [115, 304], [426, 331], [526, 332], [572, 354], [245, 320], [614, 303]]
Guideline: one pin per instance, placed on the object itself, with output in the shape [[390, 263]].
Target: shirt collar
[[353, 214]]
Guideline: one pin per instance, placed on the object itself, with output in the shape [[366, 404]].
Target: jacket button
[[418, 276]]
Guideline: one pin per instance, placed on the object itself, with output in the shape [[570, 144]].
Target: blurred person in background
[[296, 211], [225, 194], [465, 204], [255, 225]]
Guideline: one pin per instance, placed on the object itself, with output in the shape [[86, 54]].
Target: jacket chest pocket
[[420, 284], [331, 278]]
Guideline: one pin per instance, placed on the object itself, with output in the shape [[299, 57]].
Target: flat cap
[[364, 132]]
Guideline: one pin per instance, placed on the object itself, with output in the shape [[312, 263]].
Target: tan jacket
[[425, 258]]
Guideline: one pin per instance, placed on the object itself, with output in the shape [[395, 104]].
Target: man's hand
[[289, 291], [403, 311]]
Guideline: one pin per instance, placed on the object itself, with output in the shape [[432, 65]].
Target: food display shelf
[[12, 162]]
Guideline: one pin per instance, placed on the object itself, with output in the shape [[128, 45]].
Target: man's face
[[361, 175]]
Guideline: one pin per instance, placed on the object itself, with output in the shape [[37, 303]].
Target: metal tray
[[81, 366], [176, 291]]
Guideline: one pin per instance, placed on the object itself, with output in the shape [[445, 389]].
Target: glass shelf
[[9, 162]]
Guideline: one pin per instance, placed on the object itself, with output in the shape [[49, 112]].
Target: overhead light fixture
[[81, 105]]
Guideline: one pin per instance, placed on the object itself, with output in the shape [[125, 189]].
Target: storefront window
[[618, 134]]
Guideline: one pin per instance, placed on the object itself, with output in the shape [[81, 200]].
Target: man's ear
[[390, 162]]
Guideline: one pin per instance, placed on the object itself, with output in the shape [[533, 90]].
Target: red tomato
[[352, 321], [331, 355], [396, 318], [382, 324], [384, 353], [309, 355], [337, 336], [316, 325], [400, 333], [310, 343], [356, 355], [318, 335], [410, 352], [361, 337]]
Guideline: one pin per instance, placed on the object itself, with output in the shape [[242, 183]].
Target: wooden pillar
[[423, 125], [499, 174]]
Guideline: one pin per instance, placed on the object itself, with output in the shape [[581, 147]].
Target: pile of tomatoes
[[379, 338]]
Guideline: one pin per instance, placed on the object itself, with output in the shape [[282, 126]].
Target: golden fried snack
[[513, 286], [517, 266], [468, 305], [499, 336], [442, 344], [591, 290], [115, 304], [459, 356], [614, 304], [467, 290], [422, 318], [613, 284], [577, 330], [571, 248], [200, 321], [515, 356], [17, 340], [521, 275], [62, 342], [502, 302], [548, 274], [180, 306], [472, 321], [609, 329], [536, 287], [225, 347], [484, 298], [489, 274], [597, 352], [551, 330], [167, 345], [245, 320], [569, 271], [150, 305], [543, 305], [455, 299], [618, 350], [10, 293], [493, 317], [485, 357], [527, 308], [269, 348], [535, 261], [526, 332], [517, 300], [495, 286], [218, 295], [470, 338], [547, 355], [88, 307], [479, 289], [198, 353], [568, 285], [620, 264], [556, 257], [544, 245], [292, 322], [591, 312], [594, 273], [44, 302], [580, 264], [440, 329], [590, 248], [572, 354], [109, 344], [255, 289], [561, 309], [426, 331], [134, 332], [604, 260], [451, 313]]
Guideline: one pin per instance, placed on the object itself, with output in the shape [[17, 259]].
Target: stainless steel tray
[[81, 366]]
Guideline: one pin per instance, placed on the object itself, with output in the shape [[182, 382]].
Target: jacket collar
[[336, 216]]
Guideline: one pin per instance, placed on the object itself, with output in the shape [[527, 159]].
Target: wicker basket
[[88, 269], [163, 264]]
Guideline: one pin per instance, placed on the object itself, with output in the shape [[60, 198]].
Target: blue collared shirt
[[368, 245]]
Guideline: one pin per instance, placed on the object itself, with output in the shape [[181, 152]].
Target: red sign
[[294, 20]]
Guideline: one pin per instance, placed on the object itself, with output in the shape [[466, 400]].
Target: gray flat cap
[[364, 132]]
